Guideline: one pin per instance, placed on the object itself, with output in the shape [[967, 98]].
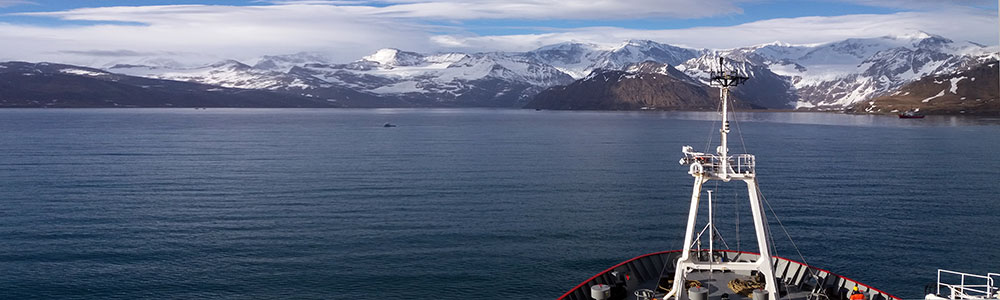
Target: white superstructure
[[724, 167]]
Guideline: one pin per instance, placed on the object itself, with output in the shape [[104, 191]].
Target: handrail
[[962, 288], [743, 164], [995, 288]]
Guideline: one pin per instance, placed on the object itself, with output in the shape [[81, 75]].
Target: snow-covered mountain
[[580, 59], [839, 74], [831, 75], [487, 79], [228, 73], [24, 84], [972, 90], [404, 78], [284, 63], [407, 72], [451, 79]]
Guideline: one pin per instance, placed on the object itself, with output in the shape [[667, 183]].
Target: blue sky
[[762, 10], [752, 11], [347, 29]]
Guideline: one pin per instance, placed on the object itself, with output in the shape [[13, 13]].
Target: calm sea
[[463, 203]]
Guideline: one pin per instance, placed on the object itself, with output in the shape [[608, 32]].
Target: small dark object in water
[[387, 125]]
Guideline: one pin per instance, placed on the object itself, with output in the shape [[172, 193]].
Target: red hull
[[581, 291]]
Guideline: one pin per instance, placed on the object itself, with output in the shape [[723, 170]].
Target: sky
[[100, 32]]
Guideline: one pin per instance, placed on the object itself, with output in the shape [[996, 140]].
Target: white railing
[[984, 289], [703, 163], [995, 289], [745, 164], [739, 164]]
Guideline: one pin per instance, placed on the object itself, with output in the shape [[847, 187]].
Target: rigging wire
[[664, 269], [774, 247], [789, 236], [770, 242], [669, 264], [739, 131], [711, 130]]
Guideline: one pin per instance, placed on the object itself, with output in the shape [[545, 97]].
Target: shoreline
[[845, 112]]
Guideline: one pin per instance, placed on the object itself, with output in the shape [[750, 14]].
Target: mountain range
[[828, 76], [57, 85]]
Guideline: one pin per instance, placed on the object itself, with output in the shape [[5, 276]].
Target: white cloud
[[537, 9], [957, 24], [6, 3], [225, 31], [921, 4], [347, 30], [560, 9], [451, 9]]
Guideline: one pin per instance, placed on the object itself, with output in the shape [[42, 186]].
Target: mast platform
[[737, 166]]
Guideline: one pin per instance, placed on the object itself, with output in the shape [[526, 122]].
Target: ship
[[693, 273], [912, 114]]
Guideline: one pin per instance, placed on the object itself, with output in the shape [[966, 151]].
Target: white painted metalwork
[[713, 232], [721, 166], [968, 286]]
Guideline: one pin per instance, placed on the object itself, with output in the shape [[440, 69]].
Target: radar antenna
[[727, 78]]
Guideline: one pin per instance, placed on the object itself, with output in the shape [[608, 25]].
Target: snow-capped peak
[[771, 44], [580, 59], [229, 63], [445, 57], [569, 46], [641, 46], [391, 57], [284, 63], [913, 35], [638, 43], [650, 67]]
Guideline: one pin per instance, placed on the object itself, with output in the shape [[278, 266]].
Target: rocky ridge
[[647, 86], [973, 90]]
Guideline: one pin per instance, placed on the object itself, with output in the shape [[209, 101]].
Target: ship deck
[[717, 283], [797, 281]]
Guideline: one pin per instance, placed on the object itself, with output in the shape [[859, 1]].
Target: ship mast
[[726, 80], [721, 166]]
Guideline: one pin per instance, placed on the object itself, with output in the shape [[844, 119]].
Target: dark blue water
[[458, 204]]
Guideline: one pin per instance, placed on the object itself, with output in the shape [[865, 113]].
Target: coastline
[[753, 110]]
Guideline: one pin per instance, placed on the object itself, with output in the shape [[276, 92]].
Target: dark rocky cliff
[[647, 85]]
